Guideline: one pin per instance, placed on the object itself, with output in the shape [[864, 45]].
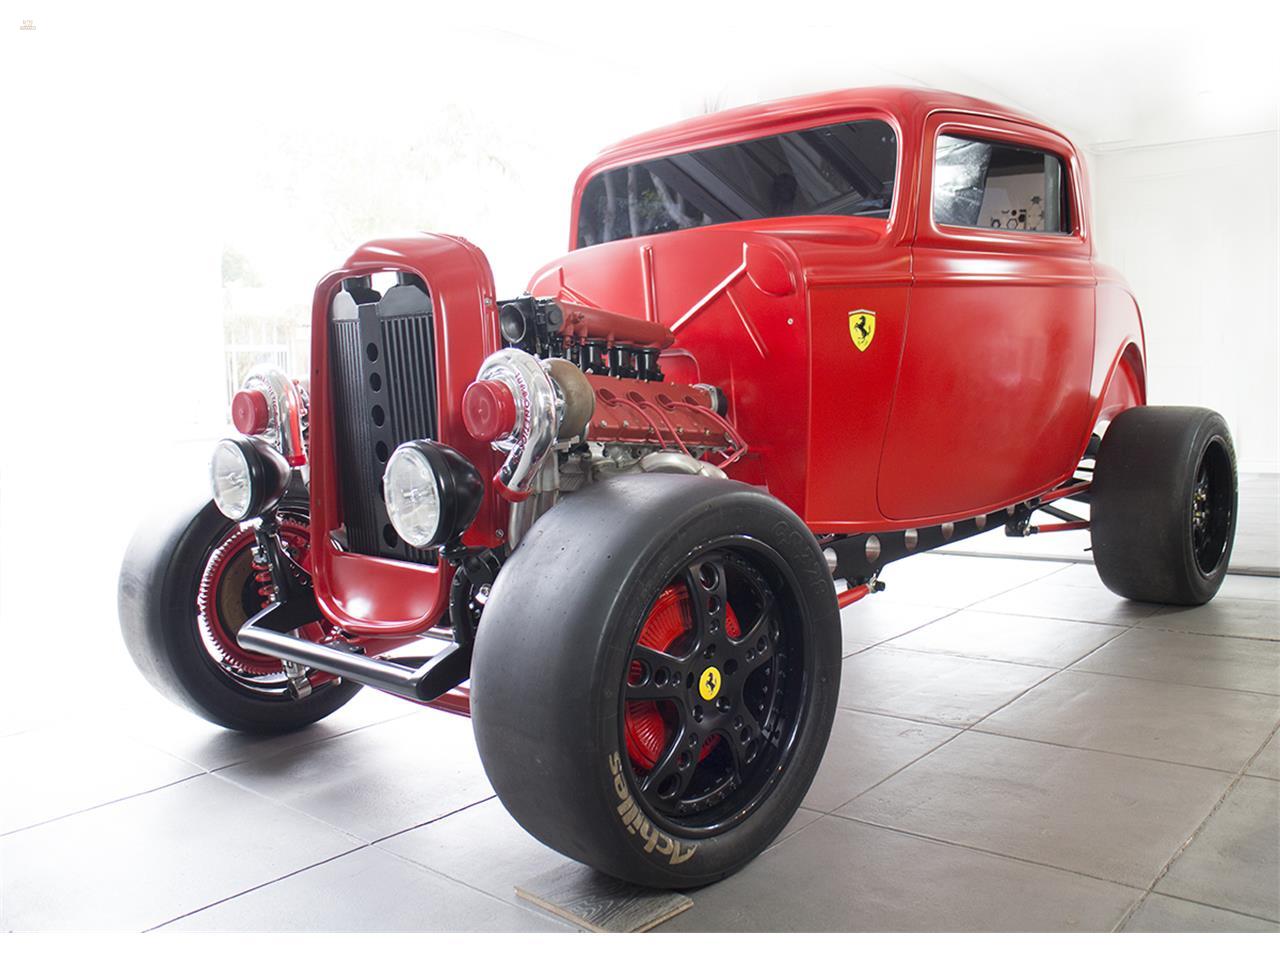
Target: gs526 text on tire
[[655, 676]]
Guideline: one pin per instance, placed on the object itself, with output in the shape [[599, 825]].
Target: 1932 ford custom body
[[789, 345]]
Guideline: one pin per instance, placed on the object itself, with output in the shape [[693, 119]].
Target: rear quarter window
[[998, 186]]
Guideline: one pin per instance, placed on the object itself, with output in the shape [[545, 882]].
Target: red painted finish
[[1072, 490], [985, 366], [583, 322], [852, 595], [488, 410], [993, 387], [668, 414], [995, 356], [457, 701], [249, 412], [1061, 527], [372, 596]]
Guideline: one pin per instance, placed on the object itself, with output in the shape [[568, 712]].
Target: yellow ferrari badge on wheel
[[862, 327], [709, 683]]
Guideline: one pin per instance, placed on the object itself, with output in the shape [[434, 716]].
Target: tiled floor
[[1016, 749]]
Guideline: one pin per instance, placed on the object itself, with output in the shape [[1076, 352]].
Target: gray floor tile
[[59, 770], [1002, 636], [142, 861], [844, 876], [1118, 818], [369, 890], [1251, 588], [1071, 546], [1143, 718], [377, 780], [1268, 762], [802, 818], [1064, 602], [481, 846], [1160, 914], [1076, 575], [1228, 662], [1223, 617], [863, 750], [959, 581], [1234, 861], [932, 687], [485, 848], [877, 618], [174, 730]]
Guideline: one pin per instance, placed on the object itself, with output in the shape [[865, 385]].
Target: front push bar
[[415, 679]]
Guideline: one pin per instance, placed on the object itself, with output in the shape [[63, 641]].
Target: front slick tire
[[187, 650], [655, 676], [1163, 504]]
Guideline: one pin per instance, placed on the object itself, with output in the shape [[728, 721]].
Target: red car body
[[995, 354]]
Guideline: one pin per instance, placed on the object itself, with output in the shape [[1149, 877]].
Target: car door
[[993, 388]]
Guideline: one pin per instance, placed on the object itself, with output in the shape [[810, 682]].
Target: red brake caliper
[[649, 723]]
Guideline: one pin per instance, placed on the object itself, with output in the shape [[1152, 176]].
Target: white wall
[[1193, 226]]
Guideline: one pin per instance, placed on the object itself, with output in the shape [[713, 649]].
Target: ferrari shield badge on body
[[862, 327]]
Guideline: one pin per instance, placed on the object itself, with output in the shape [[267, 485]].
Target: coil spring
[[262, 574]]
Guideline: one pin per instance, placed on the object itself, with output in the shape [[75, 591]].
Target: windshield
[[845, 169]]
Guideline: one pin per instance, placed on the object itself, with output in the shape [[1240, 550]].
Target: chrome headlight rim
[[458, 490], [267, 475]]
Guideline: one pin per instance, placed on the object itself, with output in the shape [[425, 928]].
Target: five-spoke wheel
[[713, 692], [654, 699]]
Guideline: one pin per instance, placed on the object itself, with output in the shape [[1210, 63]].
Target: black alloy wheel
[[715, 690], [1212, 506], [655, 676]]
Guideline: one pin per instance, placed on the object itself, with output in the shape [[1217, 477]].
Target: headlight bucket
[[432, 493], [248, 477]]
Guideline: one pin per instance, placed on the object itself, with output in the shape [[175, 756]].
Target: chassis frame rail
[[861, 557]]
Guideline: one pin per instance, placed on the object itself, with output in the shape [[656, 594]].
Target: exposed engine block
[[579, 394]]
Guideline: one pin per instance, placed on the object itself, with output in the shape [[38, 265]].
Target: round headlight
[[412, 493], [431, 491], [230, 475], [248, 477]]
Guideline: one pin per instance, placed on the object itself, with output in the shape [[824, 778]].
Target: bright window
[[998, 186]]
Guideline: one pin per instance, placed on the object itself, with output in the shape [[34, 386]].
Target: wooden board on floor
[[600, 903]]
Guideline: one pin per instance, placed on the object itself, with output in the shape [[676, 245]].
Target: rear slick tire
[[1163, 505], [655, 676]]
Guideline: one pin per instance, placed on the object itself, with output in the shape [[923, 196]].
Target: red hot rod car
[[789, 345]]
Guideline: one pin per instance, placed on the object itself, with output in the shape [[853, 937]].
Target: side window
[[998, 186]]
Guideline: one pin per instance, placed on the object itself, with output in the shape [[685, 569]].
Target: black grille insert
[[382, 371]]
